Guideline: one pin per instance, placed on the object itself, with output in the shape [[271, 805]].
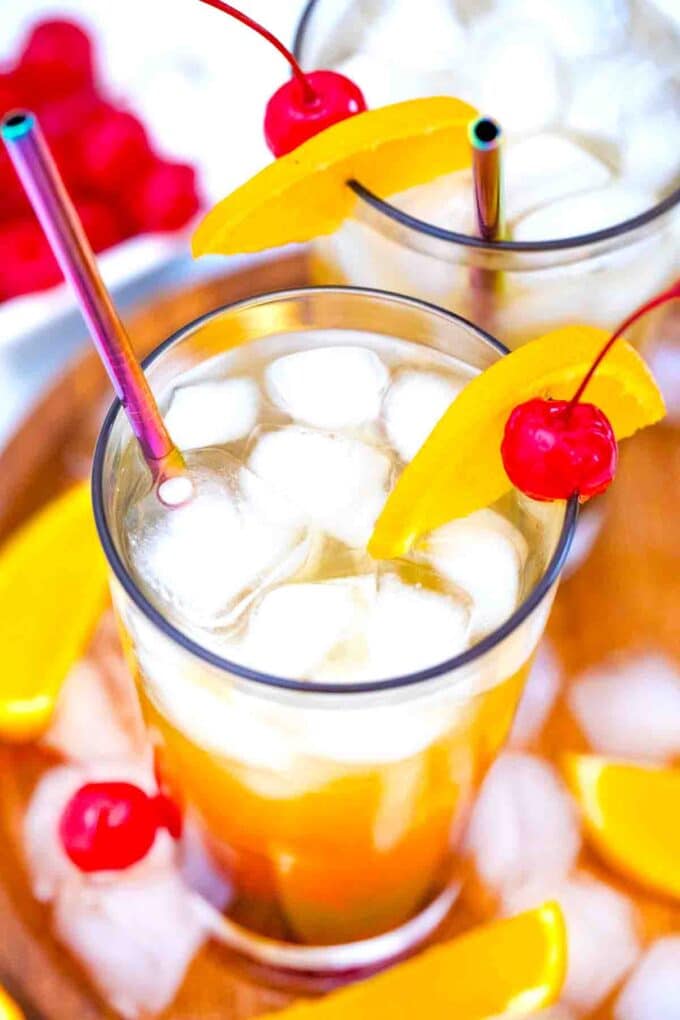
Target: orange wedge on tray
[[459, 468], [632, 817], [512, 967], [53, 588], [304, 194]]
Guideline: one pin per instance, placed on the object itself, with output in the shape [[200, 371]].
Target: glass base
[[323, 967]]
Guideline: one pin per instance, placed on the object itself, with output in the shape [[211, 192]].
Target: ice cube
[[338, 482], [447, 201], [410, 628], [515, 74], [212, 413], [295, 627], [547, 167], [629, 707], [538, 697], [201, 559], [577, 28], [48, 865], [97, 715], [484, 555], [383, 82], [135, 939], [329, 387], [414, 404], [582, 213], [652, 992], [602, 943], [426, 39], [524, 827], [650, 150]]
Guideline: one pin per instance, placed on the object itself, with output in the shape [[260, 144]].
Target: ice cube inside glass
[[326, 717]]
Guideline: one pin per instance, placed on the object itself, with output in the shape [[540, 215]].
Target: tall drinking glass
[[591, 175], [325, 718]]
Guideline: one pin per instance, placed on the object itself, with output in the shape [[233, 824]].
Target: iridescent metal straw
[[485, 137], [45, 188]]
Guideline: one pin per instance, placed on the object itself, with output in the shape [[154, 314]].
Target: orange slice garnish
[[304, 194], [459, 468], [53, 585], [513, 966], [632, 817]]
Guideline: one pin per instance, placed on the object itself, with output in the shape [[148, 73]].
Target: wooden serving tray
[[626, 596]]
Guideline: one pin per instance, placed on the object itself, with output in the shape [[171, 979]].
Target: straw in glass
[[486, 137], [45, 188]]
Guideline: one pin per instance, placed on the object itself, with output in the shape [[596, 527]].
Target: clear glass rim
[[470, 241], [154, 616]]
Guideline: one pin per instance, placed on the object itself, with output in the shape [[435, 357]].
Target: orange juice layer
[[355, 854]]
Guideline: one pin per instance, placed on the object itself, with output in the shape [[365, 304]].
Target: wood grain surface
[[626, 596]]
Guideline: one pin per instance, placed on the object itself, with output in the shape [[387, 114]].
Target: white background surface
[[200, 82]]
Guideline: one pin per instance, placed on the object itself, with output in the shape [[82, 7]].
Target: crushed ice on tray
[[602, 940], [652, 992], [524, 828], [629, 707], [135, 939]]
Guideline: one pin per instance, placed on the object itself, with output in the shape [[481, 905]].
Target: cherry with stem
[[307, 104], [555, 449]]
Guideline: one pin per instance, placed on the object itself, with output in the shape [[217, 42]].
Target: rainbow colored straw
[[45, 188], [485, 136]]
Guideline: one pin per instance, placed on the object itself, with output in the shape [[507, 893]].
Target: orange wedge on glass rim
[[632, 817], [514, 967], [53, 588], [459, 468], [305, 195]]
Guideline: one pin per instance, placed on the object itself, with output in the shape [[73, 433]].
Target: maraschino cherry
[[111, 826], [555, 449], [305, 105]]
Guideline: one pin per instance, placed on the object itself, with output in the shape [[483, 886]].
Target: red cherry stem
[[310, 95], [671, 294]]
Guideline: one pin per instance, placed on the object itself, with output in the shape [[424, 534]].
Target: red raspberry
[[113, 151], [63, 122], [10, 96], [57, 60], [165, 198], [13, 201], [26, 260], [101, 224]]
